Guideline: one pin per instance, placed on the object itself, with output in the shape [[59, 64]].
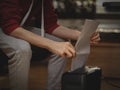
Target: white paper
[[82, 45]]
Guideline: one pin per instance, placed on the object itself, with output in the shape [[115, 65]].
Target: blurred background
[[106, 54], [107, 12]]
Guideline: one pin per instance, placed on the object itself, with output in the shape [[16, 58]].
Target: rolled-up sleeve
[[9, 15], [50, 17]]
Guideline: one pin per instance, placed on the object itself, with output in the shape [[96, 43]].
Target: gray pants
[[20, 53]]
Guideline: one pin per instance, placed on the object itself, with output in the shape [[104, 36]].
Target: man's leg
[[56, 68], [56, 64], [19, 53]]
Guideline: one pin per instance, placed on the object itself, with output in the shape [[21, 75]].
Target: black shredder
[[90, 79]]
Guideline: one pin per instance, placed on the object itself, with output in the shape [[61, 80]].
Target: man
[[16, 40]]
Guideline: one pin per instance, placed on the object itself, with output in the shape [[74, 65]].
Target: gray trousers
[[20, 53]]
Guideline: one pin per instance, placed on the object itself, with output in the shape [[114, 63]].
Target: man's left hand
[[95, 38]]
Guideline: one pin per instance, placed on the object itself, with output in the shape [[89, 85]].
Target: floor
[[104, 55]]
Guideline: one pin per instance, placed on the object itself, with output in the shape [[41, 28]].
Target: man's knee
[[60, 39], [52, 37], [22, 51]]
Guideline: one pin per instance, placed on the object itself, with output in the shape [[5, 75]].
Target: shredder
[[90, 79]]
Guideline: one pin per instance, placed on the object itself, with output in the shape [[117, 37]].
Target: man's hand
[[95, 38], [64, 49]]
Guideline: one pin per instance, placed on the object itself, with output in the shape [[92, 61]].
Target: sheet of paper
[[82, 45]]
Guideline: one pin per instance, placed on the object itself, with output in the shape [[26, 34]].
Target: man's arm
[[66, 33], [64, 49], [70, 34]]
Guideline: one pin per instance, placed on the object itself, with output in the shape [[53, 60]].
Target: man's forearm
[[64, 49], [31, 37], [66, 33]]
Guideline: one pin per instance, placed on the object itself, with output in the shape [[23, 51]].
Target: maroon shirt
[[13, 11]]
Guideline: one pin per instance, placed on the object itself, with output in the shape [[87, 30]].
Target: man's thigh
[[10, 44]]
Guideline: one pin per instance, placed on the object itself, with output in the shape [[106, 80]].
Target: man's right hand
[[64, 49]]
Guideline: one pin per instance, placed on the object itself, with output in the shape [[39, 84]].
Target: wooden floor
[[104, 55], [107, 56]]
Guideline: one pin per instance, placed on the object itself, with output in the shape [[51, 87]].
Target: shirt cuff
[[52, 28], [10, 29]]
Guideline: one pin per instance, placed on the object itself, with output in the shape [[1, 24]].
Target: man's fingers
[[72, 51], [68, 52], [95, 37]]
